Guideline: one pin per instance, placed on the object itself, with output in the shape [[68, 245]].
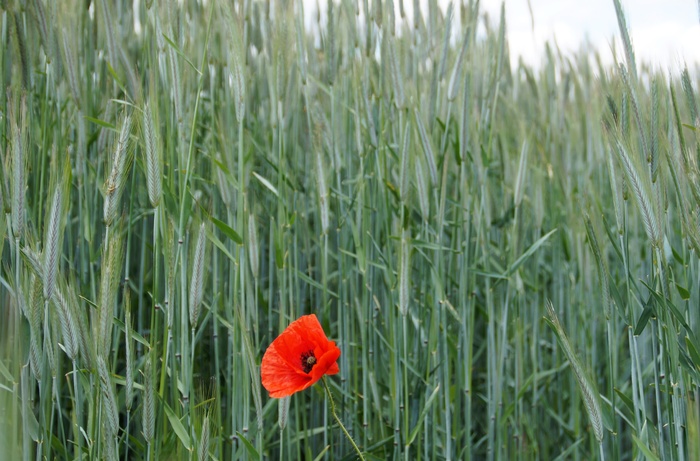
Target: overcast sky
[[664, 32]]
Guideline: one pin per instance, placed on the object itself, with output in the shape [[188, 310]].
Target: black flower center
[[308, 360]]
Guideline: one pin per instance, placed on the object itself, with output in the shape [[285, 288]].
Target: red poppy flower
[[298, 357]]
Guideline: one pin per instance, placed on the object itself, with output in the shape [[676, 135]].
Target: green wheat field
[[506, 256]]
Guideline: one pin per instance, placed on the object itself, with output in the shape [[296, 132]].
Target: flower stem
[[340, 423]]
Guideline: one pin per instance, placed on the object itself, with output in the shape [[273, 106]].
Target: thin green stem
[[26, 442], [78, 410], [340, 423], [281, 444]]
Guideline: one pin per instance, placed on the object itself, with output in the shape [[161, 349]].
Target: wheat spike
[[52, 243], [197, 281], [591, 398], [153, 162], [237, 63], [121, 162], [19, 163], [109, 402], [651, 224], [203, 451], [449, 16], [109, 32], [45, 30], [602, 268], [635, 110], [283, 411], [110, 451], [69, 58], [109, 285], [66, 316], [149, 401], [457, 69], [427, 148], [626, 41], [655, 129], [422, 190], [396, 78], [22, 48], [35, 307], [301, 48]]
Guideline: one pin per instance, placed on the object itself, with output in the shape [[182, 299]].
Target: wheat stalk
[[405, 157], [253, 249], [520, 178], [404, 274], [170, 259], [129, 352], [330, 45], [369, 116], [464, 125], [321, 182]]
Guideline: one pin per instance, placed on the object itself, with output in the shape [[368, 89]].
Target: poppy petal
[[327, 364], [283, 367], [278, 377]]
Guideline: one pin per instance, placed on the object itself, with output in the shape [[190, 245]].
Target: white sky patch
[[137, 19], [665, 33]]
